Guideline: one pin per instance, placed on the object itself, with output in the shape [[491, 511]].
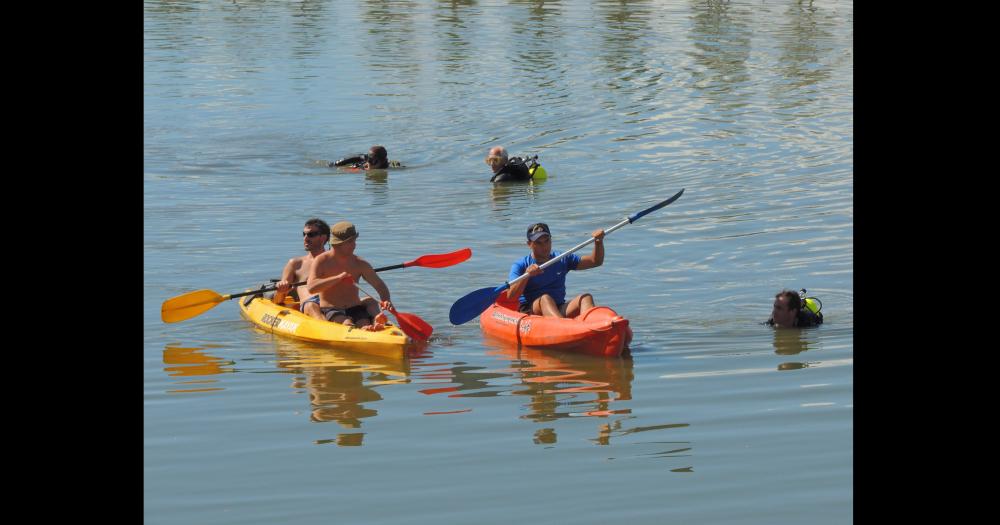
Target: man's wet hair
[[378, 157], [794, 302]]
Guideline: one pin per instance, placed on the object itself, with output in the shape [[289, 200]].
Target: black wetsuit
[[805, 319], [358, 162], [514, 170]]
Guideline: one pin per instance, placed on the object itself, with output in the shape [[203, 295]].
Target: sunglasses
[[311, 234]]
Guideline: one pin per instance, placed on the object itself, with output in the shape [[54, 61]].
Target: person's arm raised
[[596, 258]]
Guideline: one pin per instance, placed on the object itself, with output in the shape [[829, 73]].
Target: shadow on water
[[790, 341], [463, 380], [634, 71], [804, 44], [377, 182], [451, 25], [310, 27], [191, 362], [390, 51], [538, 42], [721, 38], [453, 36], [562, 385], [546, 374], [511, 197], [623, 53], [793, 341], [341, 384], [164, 7], [558, 384]]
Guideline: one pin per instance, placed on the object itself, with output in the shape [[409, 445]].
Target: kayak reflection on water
[[340, 383]]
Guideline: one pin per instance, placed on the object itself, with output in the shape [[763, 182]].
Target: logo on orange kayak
[[504, 318]]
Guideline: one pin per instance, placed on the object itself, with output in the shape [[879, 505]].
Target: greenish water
[[714, 418]]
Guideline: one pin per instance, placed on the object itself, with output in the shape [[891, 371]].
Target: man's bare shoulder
[[324, 262], [323, 256], [360, 265]]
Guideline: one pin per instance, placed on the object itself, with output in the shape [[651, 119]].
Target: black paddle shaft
[[273, 288]]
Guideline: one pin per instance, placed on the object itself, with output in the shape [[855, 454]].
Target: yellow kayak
[[287, 320]]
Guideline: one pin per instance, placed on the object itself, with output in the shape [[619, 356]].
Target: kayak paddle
[[440, 260], [413, 326], [475, 303], [195, 303]]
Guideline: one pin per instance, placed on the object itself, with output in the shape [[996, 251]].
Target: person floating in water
[[377, 158], [790, 310], [505, 168]]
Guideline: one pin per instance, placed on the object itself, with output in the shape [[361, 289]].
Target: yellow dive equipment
[[535, 170], [813, 304]]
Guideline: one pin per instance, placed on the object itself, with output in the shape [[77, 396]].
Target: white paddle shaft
[[553, 260]]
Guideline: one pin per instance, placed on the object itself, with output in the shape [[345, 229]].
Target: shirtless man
[[332, 279], [315, 233]]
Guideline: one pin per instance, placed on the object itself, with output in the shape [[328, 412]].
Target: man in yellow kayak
[[315, 234], [332, 279], [545, 291]]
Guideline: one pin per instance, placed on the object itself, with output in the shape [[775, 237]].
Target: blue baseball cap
[[535, 231]]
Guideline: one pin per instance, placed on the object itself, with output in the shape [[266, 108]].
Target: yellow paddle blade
[[189, 305]]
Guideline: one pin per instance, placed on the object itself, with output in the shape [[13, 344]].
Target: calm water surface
[[714, 418]]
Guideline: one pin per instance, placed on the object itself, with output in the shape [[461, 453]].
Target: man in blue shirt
[[545, 291]]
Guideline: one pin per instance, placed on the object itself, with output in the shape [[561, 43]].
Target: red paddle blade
[[441, 260], [413, 326]]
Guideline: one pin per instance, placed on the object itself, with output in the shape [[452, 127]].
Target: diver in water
[[377, 158], [794, 310], [504, 168], [514, 168]]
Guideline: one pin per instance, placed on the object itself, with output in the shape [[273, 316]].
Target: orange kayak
[[601, 331]]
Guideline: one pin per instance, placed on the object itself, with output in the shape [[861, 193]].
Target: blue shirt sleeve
[[517, 269], [572, 260]]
